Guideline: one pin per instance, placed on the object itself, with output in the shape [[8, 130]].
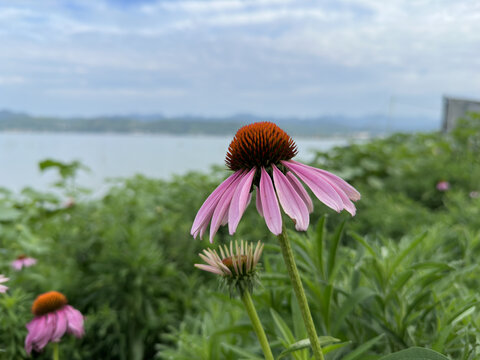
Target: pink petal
[[206, 210], [321, 188], [347, 204], [34, 328], [351, 192], [75, 321], [37, 330], [258, 203], [291, 202], [45, 334], [271, 210], [17, 264], [61, 326], [239, 201], [221, 209], [209, 268], [297, 185], [29, 262], [3, 289]]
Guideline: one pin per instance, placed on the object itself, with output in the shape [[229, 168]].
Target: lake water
[[114, 155]]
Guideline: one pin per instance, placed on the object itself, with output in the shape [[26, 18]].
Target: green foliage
[[401, 274]]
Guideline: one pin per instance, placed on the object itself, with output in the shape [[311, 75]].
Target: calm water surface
[[113, 155]]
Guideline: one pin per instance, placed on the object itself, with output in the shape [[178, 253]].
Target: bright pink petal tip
[[240, 200], [271, 210], [351, 192], [293, 205], [75, 321], [297, 185], [205, 213], [220, 212], [329, 188]]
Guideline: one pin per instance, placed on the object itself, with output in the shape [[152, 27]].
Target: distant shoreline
[[321, 127], [353, 136]]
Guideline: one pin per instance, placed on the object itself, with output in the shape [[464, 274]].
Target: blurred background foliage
[[403, 272]]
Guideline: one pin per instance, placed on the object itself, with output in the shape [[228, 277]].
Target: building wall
[[454, 108]]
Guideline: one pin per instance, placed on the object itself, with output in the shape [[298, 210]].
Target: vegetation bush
[[403, 272]]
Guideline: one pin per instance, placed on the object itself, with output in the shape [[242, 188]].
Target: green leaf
[[305, 343], [355, 298], [332, 254], [319, 244], [415, 353], [405, 252], [282, 328], [8, 213], [242, 352], [363, 242], [355, 354]]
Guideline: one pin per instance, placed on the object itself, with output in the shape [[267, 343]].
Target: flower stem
[[300, 294], [257, 326], [55, 351]]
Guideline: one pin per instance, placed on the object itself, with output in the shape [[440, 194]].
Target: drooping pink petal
[[29, 261], [45, 334], [321, 188], [291, 202], [297, 185], [351, 192], [35, 332], [206, 210], [74, 321], [240, 201], [258, 203], [270, 207], [222, 206], [17, 264], [61, 326], [347, 204]]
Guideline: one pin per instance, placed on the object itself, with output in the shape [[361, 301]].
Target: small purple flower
[[443, 185], [23, 261], [261, 157], [3, 288], [53, 318]]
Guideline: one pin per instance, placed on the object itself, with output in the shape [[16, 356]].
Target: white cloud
[[214, 52], [12, 80]]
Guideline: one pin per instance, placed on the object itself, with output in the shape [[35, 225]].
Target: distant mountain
[[191, 124]]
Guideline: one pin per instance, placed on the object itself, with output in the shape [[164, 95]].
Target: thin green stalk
[[257, 326], [300, 294], [55, 351]]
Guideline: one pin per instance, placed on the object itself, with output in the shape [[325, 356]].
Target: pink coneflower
[[3, 288], [260, 156], [23, 261], [443, 185], [53, 318]]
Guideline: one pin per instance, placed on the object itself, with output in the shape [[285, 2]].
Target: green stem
[[300, 294], [55, 351], [257, 326]]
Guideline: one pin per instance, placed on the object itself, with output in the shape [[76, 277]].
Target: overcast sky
[[221, 57]]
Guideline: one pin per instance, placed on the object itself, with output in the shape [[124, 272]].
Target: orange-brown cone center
[[228, 262], [259, 144], [48, 302], [21, 257]]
